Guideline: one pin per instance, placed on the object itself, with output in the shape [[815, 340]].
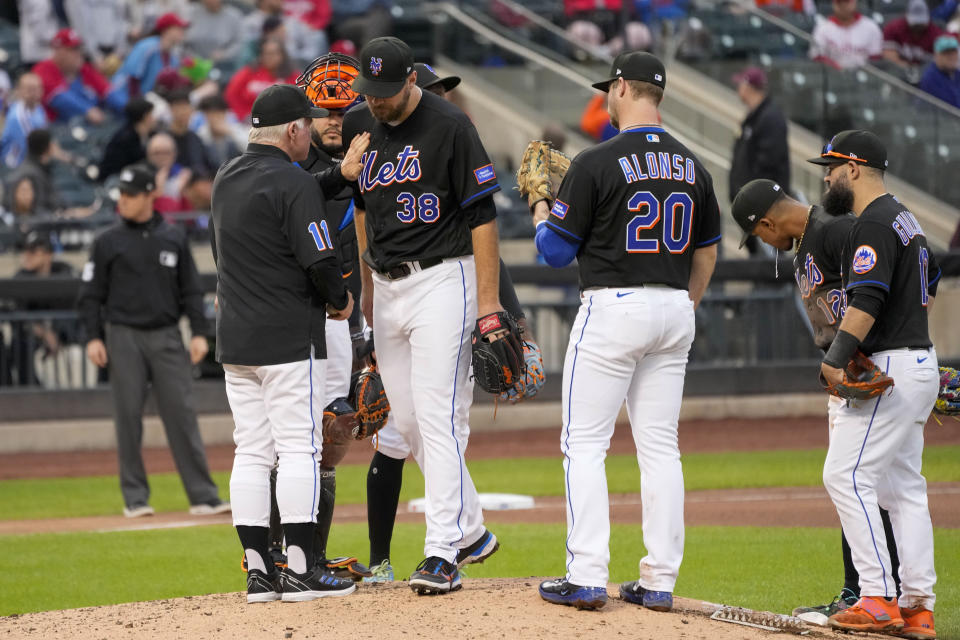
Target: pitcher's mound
[[488, 608]]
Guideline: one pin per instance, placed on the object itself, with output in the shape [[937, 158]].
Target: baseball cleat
[[262, 587], [138, 511], [821, 613], [869, 614], [485, 546], [209, 508], [562, 591], [383, 572], [656, 600], [917, 624], [301, 587], [435, 575]]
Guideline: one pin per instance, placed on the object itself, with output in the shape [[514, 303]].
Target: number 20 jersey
[[639, 205]]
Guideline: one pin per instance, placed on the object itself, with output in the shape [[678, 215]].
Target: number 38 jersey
[[817, 267], [420, 182], [638, 205], [887, 250]]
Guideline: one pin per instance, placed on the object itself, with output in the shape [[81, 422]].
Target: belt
[[404, 269]]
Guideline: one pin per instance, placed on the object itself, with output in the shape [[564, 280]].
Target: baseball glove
[[373, 408], [498, 360], [541, 171], [862, 379], [347, 568], [340, 427], [532, 380], [948, 400]]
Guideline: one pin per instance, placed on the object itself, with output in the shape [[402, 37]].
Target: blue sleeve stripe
[[564, 232], [557, 250], [478, 194], [347, 217], [707, 243], [934, 281], [875, 283]]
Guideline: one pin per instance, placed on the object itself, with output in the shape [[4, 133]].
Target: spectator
[[273, 67], [103, 26], [781, 7], [652, 11], [129, 144], [4, 89], [138, 73], [595, 121], [942, 78], [847, 39], [71, 86], [144, 14], [219, 137], [190, 150], [313, 13], [20, 200], [302, 43], [36, 169], [362, 20], [602, 13], [172, 178], [38, 26], [761, 151], [216, 31], [25, 114], [908, 40]]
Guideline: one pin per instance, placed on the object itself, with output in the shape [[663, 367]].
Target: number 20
[[647, 203]]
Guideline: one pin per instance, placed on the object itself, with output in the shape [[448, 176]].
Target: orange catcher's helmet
[[327, 80]]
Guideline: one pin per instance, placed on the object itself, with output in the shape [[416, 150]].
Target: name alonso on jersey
[[659, 166]]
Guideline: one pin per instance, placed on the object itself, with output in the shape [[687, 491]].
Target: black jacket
[[123, 149], [761, 150]]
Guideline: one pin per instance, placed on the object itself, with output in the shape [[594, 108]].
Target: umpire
[[278, 279], [140, 279]]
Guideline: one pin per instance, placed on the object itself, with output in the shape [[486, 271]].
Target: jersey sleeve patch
[[864, 259], [484, 174], [560, 209]]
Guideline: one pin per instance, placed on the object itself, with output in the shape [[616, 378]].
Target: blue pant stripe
[[886, 590], [453, 402], [566, 443], [313, 432]]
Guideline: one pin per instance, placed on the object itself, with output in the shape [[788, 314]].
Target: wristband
[[842, 350]]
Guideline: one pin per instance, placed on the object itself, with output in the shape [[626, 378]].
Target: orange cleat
[[917, 624], [869, 614]]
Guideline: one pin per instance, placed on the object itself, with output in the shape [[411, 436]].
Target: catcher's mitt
[[373, 408], [948, 400], [532, 381], [340, 427], [862, 379], [347, 568], [541, 171], [497, 359]]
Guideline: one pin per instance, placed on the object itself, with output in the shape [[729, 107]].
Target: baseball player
[[639, 213], [427, 235], [278, 278], [876, 446], [762, 209]]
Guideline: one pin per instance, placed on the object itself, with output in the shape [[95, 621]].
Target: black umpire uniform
[[140, 279]]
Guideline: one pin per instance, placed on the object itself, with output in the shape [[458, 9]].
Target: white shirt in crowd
[[850, 46]]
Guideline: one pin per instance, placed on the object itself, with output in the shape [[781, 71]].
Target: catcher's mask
[[326, 81]]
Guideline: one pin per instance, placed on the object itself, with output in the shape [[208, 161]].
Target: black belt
[[404, 269]]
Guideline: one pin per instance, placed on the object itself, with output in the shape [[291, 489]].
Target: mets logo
[[864, 259], [376, 65]]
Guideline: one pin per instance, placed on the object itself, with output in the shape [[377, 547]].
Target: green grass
[[100, 495], [762, 568]]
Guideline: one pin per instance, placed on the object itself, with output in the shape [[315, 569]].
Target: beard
[[332, 150], [386, 113], [838, 200]]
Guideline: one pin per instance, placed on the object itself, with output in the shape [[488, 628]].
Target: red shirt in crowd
[[88, 83], [315, 13], [913, 46], [246, 84]]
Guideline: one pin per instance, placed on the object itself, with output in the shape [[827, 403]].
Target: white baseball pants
[[423, 327], [277, 413], [339, 360], [874, 460], [626, 344]]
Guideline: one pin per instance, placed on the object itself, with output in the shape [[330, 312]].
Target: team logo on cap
[[657, 77], [376, 65], [864, 259]]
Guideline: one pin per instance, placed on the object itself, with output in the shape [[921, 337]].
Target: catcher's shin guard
[[328, 494]]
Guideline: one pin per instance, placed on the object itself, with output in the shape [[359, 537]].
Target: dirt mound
[[488, 608]]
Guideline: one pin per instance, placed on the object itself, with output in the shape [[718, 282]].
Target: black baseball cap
[[752, 202], [283, 103], [857, 145], [37, 240], [385, 64], [136, 179], [635, 65], [427, 77]]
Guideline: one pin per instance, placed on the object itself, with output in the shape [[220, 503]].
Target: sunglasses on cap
[[828, 152]]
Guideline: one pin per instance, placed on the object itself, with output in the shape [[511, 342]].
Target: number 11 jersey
[[638, 205]]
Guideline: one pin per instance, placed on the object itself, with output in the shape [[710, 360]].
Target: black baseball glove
[[498, 361]]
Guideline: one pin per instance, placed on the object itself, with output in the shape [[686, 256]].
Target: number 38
[[677, 212]]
